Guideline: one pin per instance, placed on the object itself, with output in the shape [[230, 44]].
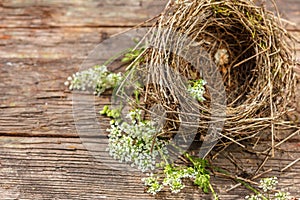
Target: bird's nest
[[241, 50]]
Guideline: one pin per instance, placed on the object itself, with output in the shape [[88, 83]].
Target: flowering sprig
[[174, 175], [133, 142], [268, 185], [112, 113], [201, 175], [282, 195], [153, 184], [98, 79], [196, 89], [173, 178], [254, 197]]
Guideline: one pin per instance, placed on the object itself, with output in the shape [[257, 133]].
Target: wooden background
[[41, 157]]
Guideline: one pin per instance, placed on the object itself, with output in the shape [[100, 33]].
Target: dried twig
[[290, 165]]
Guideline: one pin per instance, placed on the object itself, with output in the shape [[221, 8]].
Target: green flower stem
[[213, 192], [190, 158], [132, 64], [163, 156], [249, 187], [116, 56], [209, 184]]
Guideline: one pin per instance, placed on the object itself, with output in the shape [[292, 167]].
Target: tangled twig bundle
[[252, 51]]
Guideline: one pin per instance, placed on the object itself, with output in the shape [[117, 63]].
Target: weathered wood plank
[[93, 13], [34, 97], [62, 168], [65, 13], [54, 43]]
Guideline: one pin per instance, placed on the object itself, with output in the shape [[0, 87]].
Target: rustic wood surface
[[41, 156]]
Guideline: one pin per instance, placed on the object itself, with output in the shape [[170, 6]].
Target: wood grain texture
[[52, 43], [61, 168], [41, 156], [64, 13]]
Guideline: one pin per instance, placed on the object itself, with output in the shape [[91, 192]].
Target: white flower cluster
[[153, 184], [282, 196], [98, 79], [174, 179], [268, 184], [197, 89], [133, 143], [254, 197]]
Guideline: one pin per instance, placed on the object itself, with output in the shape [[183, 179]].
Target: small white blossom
[[153, 185], [197, 89], [268, 184], [67, 83], [98, 79], [282, 196], [254, 197], [132, 143]]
